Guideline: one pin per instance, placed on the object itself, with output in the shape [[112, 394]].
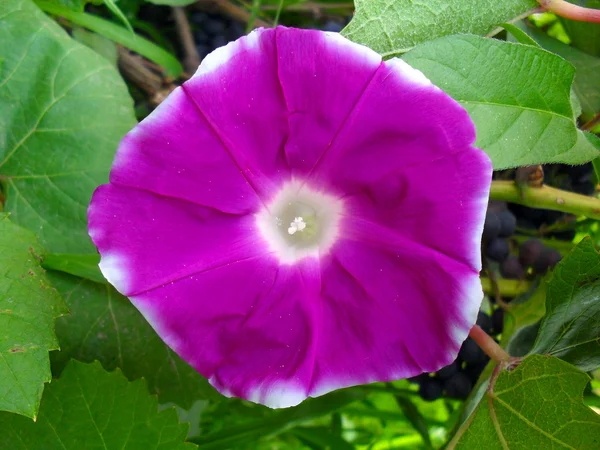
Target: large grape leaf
[[570, 329], [28, 307], [518, 96], [391, 27], [63, 110], [88, 408], [105, 326], [538, 405], [587, 81]]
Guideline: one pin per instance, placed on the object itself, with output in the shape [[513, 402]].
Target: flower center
[[300, 222]]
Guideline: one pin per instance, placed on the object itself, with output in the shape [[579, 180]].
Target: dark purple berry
[[547, 259], [474, 371], [497, 249], [491, 226], [498, 320], [218, 41], [512, 269], [484, 321], [198, 18], [458, 386], [508, 223], [215, 27], [200, 37], [448, 371], [584, 188], [497, 206], [332, 25], [470, 352], [530, 251], [430, 389], [419, 378]]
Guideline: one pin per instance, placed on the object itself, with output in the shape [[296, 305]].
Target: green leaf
[[518, 97], [392, 27], [28, 307], [571, 328], [110, 4], [587, 81], [321, 437], [105, 326], [63, 110], [539, 405], [93, 409], [172, 2], [84, 266], [521, 314], [415, 417], [519, 35], [277, 421], [118, 34], [99, 44], [75, 5]]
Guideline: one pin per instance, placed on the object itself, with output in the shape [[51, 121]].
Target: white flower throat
[[300, 222]]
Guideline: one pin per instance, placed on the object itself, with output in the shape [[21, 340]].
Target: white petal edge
[[222, 55], [113, 267]]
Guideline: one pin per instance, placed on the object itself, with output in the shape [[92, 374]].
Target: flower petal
[[148, 240], [401, 119], [392, 309], [433, 186], [174, 153], [323, 76], [236, 89], [258, 342], [440, 205]]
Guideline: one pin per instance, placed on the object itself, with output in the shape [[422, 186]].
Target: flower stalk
[[488, 345], [570, 11], [547, 197]]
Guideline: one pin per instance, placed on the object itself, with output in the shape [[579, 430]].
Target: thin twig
[[134, 68], [497, 30], [191, 58], [592, 123]]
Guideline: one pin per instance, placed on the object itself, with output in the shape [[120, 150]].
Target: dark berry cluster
[[500, 224], [457, 379], [533, 256], [212, 30]]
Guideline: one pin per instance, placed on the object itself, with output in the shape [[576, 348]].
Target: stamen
[[297, 225]]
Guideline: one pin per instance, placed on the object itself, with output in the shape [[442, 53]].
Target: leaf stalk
[[570, 11]]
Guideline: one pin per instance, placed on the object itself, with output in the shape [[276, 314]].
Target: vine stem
[[488, 345], [506, 288], [546, 197], [571, 11]]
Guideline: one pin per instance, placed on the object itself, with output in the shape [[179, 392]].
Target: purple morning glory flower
[[299, 217]]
